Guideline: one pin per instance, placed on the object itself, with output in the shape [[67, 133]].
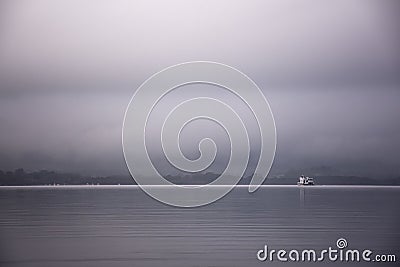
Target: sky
[[329, 69]]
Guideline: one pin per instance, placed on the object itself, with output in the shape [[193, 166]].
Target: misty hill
[[44, 177]]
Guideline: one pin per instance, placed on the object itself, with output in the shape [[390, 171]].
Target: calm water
[[121, 226]]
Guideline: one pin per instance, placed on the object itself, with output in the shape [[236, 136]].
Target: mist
[[330, 71]]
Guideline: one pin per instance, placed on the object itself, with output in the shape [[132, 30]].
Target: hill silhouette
[[19, 177]]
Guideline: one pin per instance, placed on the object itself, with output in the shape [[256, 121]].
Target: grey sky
[[330, 70]]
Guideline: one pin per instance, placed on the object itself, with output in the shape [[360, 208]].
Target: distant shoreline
[[19, 177], [216, 186]]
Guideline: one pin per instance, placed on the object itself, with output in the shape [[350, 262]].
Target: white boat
[[305, 180]]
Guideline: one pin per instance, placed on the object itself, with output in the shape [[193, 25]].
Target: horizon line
[[137, 186]]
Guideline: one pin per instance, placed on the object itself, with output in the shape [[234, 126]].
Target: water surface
[[122, 226]]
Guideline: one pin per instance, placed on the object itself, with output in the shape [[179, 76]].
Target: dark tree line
[[19, 177], [45, 177]]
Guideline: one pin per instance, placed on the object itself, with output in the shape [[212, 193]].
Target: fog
[[330, 71]]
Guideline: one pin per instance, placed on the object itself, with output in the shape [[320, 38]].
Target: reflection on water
[[121, 226]]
